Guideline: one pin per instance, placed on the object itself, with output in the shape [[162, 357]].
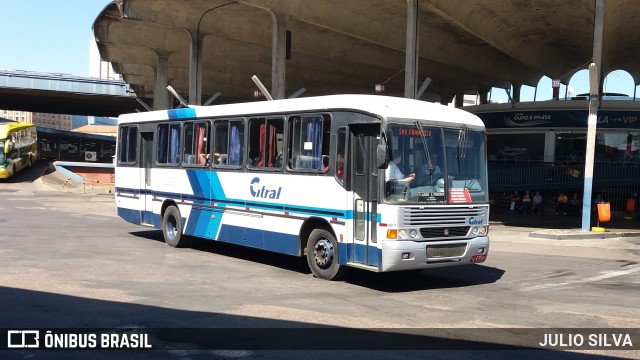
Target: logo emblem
[[17, 339], [446, 232]]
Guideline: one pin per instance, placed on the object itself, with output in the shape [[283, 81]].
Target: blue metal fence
[[617, 182]]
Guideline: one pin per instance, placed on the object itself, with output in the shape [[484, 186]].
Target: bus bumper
[[412, 255], [4, 172]]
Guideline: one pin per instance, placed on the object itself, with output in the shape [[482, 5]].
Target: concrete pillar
[[411, 50], [515, 96], [483, 92], [595, 70], [459, 99], [445, 99], [278, 55], [195, 69], [161, 95]]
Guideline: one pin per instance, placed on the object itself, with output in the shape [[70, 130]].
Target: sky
[[54, 36], [48, 35], [617, 81]]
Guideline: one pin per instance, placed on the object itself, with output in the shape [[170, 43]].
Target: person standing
[[536, 204], [526, 203], [515, 203]]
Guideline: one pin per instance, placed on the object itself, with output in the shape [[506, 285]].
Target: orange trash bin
[[604, 212], [631, 205]]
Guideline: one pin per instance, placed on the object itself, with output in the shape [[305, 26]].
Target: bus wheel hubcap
[[323, 253], [171, 227]]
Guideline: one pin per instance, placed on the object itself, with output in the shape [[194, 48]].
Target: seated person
[[536, 204], [394, 177], [574, 205], [203, 158], [393, 172], [515, 203], [526, 203], [561, 204], [340, 167], [426, 174], [325, 163]]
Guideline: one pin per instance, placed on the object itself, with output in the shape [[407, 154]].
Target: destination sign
[[413, 132], [431, 197]]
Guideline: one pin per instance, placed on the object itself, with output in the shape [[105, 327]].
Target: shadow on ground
[[173, 332], [31, 174], [393, 282]]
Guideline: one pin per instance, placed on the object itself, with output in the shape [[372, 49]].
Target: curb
[[580, 235]]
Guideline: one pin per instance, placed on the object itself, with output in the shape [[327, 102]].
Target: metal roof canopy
[[61, 93], [337, 46]]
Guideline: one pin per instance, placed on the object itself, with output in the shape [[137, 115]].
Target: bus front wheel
[[322, 255], [172, 227]]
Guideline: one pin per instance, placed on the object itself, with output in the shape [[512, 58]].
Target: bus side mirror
[[381, 156]]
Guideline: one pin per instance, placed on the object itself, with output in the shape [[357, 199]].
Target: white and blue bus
[[308, 177]]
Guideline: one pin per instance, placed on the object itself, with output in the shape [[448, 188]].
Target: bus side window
[[168, 144], [196, 147], [228, 142], [265, 142], [307, 142], [127, 142], [341, 148]]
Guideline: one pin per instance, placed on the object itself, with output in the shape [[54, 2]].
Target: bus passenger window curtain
[[314, 132], [200, 148], [175, 144], [267, 131], [162, 142], [234, 150]]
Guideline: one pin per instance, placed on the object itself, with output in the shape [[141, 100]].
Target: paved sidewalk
[[562, 227], [563, 236]]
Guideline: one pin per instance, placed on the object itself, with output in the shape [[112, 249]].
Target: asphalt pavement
[[537, 234]]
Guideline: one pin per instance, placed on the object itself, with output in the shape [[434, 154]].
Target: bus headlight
[[402, 234], [474, 231], [483, 230]]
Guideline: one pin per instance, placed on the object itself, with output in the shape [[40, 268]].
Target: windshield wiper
[[463, 139], [426, 148]]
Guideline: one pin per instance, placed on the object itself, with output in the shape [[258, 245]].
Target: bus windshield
[[434, 165]]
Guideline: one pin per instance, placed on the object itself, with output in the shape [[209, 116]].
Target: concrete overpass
[[201, 47], [64, 94]]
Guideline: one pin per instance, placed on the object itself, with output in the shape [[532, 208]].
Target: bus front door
[[146, 159], [362, 144]]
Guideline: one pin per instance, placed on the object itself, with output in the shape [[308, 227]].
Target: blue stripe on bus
[[132, 216], [184, 113], [355, 253], [260, 239], [221, 201], [202, 224]]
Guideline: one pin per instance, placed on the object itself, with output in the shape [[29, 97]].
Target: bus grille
[[440, 215], [443, 251], [441, 222], [439, 232]]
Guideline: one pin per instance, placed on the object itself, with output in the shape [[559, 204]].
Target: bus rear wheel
[[172, 228], [322, 255]]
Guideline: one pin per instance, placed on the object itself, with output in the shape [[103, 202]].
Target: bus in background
[[308, 177], [18, 147]]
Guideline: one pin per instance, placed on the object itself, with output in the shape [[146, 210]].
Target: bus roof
[[10, 126], [383, 106]]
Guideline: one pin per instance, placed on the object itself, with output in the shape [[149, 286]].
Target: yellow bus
[[18, 147]]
